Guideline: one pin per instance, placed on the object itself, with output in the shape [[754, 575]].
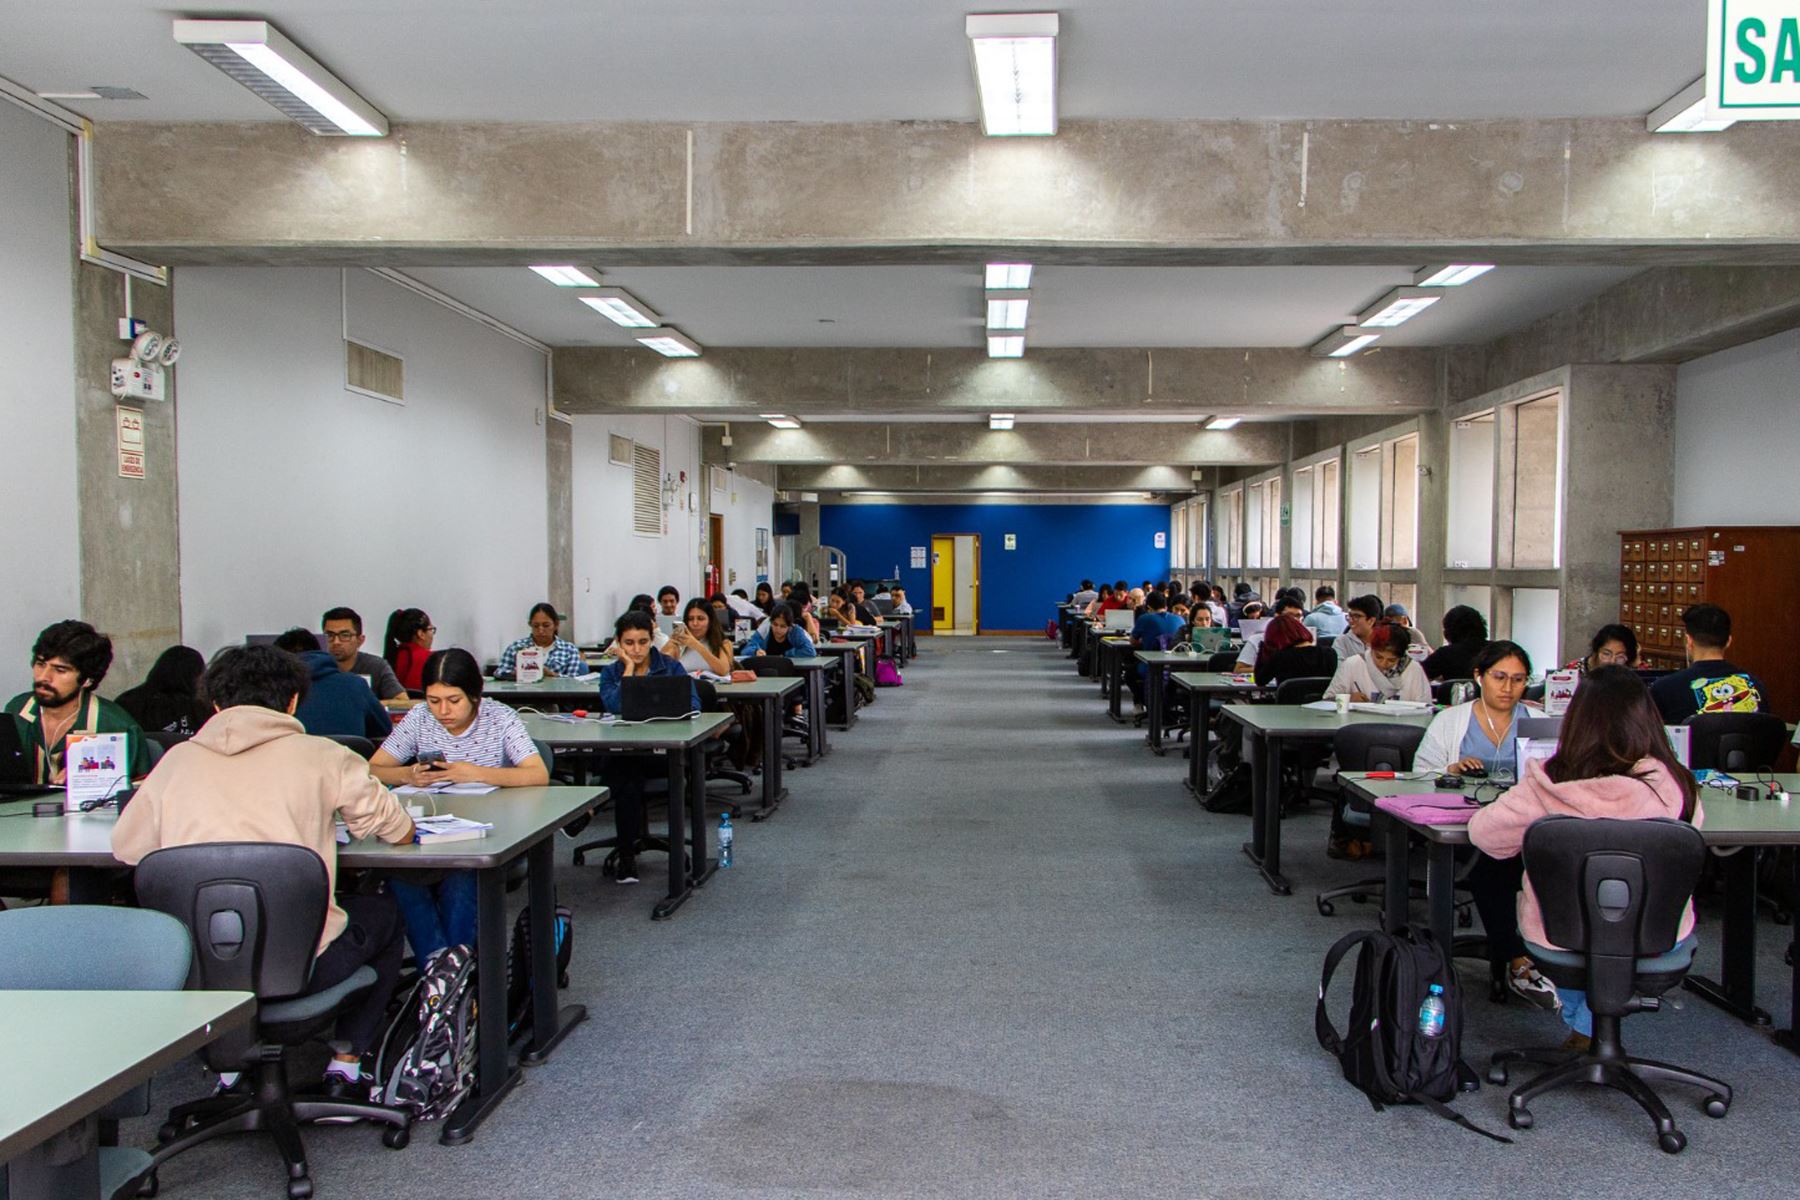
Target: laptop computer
[[18, 766], [884, 607], [645, 697], [1540, 729], [1210, 639], [1121, 619]]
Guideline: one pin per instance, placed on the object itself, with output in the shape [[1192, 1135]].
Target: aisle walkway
[[991, 949]]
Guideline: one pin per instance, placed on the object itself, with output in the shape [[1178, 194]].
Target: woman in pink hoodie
[[1613, 759]]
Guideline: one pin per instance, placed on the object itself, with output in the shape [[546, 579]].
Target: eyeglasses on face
[[342, 635]]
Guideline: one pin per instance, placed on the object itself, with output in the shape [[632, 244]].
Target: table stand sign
[[98, 769], [528, 665]]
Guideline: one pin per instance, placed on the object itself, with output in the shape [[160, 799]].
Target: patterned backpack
[[427, 1059]]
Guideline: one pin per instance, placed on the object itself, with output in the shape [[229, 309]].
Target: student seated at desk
[[700, 641], [1157, 629], [901, 607], [1483, 733], [1288, 650], [765, 596], [68, 661], [1101, 603], [1710, 684], [800, 613], [668, 600], [334, 703], [561, 659], [1246, 659], [780, 637], [343, 630], [252, 775], [1465, 634], [1327, 620], [1398, 615], [473, 741], [1362, 615], [1385, 670], [408, 644], [837, 605], [626, 774], [642, 602], [168, 701], [1612, 646], [1084, 595], [1612, 760]]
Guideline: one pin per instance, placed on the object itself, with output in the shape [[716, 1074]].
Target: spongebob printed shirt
[[1707, 687]]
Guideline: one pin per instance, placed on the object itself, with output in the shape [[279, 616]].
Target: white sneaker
[[1527, 984]]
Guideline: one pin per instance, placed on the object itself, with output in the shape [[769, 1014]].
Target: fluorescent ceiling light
[[1015, 71], [1006, 310], [1000, 421], [567, 276], [670, 343], [1397, 307], [1685, 112], [621, 308], [1343, 341], [1008, 276], [781, 422], [1451, 274], [1009, 345], [257, 55], [1223, 422]]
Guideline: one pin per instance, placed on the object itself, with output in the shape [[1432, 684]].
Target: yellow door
[[943, 583]]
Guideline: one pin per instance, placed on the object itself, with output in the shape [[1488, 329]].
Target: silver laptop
[[1121, 619]]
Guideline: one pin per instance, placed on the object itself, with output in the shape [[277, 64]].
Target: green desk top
[[1727, 821], [766, 685], [817, 663], [839, 646], [591, 734], [1213, 681], [71, 1053], [520, 816], [1298, 721], [507, 692], [1171, 658]]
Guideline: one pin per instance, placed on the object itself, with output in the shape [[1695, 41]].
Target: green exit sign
[[1753, 60]]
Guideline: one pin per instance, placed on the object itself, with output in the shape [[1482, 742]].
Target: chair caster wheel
[[1782, 916], [300, 1189], [396, 1137], [1716, 1107], [562, 980], [1672, 1142], [149, 1185], [1325, 908], [580, 858], [1519, 1118], [1360, 897], [1497, 1075], [168, 1133]]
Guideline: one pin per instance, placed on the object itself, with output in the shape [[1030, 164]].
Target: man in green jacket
[[67, 663]]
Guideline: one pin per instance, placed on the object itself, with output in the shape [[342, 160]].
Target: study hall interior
[[469, 312]]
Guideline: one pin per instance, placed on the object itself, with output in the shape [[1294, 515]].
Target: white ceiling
[[941, 306], [843, 60]]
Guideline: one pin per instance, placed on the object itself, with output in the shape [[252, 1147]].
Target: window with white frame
[[1400, 503], [1231, 528], [1302, 509], [1536, 444], [1178, 519], [1469, 539], [1365, 509], [1197, 526], [1326, 526], [1255, 513], [1271, 530]]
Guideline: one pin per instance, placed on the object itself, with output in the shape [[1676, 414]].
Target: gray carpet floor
[[991, 948]]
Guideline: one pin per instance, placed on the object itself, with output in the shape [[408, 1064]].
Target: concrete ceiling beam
[[922, 444], [997, 477], [1123, 192], [733, 383]]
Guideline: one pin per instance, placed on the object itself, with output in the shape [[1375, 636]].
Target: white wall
[[297, 495], [746, 506], [613, 564], [37, 403], [1737, 435]]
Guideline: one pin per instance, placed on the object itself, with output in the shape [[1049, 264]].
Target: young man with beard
[[67, 664]]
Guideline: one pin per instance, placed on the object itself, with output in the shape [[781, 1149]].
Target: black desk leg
[[1396, 891], [700, 865], [1153, 700], [1735, 991], [679, 890], [549, 1023], [495, 1074], [1271, 855], [1440, 890], [772, 791], [1788, 1037], [816, 716], [1197, 742], [1114, 701]]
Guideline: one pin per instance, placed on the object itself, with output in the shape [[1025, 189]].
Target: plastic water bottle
[[725, 836], [1431, 1013]]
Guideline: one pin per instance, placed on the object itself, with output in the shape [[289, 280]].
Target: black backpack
[[518, 966], [1232, 793], [1384, 1055]]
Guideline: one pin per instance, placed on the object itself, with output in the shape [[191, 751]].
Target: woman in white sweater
[[1383, 670]]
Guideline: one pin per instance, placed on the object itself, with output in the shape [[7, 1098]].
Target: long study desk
[[1735, 826], [1157, 663], [525, 822], [683, 743], [1267, 727], [770, 692], [815, 669], [1201, 687], [848, 654]]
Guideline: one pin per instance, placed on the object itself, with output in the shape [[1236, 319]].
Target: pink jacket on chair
[[1499, 829]]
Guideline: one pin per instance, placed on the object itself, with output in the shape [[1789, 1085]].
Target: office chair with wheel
[[255, 911], [165, 739], [1730, 742], [718, 751], [1222, 662], [793, 724], [1369, 748], [1614, 893], [122, 949]]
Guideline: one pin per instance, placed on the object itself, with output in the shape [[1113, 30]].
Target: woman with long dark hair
[[699, 641], [408, 644], [168, 701], [1612, 760]]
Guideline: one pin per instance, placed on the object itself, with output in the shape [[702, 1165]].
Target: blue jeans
[[437, 915]]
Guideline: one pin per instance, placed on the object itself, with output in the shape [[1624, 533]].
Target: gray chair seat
[[319, 1004], [1656, 972]]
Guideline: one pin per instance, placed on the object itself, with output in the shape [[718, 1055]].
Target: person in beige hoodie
[[252, 774], [1613, 760]]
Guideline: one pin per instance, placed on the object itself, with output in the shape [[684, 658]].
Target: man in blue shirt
[[1157, 629], [1327, 620]]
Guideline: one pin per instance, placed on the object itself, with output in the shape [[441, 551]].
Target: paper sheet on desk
[[447, 789], [1397, 707]]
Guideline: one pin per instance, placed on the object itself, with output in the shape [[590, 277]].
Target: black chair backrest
[[1224, 660], [771, 664], [547, 754], [709, 696], [255, 911], [165, 738], [1613, 891], [350, 741], [1302, 691], [1736, 741], [1376, 747], [1440, 691]]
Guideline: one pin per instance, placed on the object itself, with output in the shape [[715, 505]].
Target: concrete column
[[130, 537], [559, 460], [808, 541], [1434, 523]]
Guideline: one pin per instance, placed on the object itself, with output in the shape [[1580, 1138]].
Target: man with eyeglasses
[[344, 639]]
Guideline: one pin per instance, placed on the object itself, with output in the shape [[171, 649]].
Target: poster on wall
[[1162, 540], [131, 441], [918, 558], [1012, 541]]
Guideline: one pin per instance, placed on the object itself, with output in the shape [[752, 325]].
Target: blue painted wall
[[1058, 546]]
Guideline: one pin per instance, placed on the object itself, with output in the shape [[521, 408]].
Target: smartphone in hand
[[433, 760]]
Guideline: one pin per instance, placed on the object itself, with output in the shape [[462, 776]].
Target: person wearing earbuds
[[626, 774]]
